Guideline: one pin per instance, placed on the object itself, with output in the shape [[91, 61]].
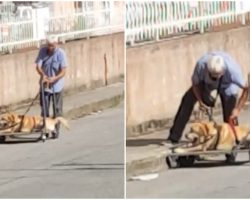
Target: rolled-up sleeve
[[238, 79], [196, 77], [39, 59], [63, 60]]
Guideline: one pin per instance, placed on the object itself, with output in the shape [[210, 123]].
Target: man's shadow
[[144, 142]]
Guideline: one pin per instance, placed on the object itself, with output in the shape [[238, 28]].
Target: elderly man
[[51, 65], [215, 70]]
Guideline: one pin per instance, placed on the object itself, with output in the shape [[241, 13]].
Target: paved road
[[211, 179], [205, 180], [85, 162]]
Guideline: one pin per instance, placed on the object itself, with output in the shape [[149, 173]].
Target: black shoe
[[170, 144], [171, 141]]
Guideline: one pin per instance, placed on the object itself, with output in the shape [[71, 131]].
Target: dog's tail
[[63, 121]]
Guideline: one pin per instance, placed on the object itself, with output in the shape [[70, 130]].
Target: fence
[[18, 34], [147, 21], [6, 11], [81, 23]]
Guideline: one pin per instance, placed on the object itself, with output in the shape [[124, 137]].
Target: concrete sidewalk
[[87, 102], [147, 153]]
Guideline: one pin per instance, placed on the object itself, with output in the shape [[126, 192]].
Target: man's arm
[[43, 76], [238, 79], [197, 94], [63, 66], [40, 71], [58, 76], [243, 98], [39, 62], [240, 104], [196, 79]]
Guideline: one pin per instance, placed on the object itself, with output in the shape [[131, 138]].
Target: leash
[[232, 123], [9, 127], [32, 103], [28, 109], [210, 114]]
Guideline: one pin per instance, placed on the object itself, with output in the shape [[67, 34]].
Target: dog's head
[[7, 120]]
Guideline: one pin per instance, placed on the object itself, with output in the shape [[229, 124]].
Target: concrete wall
[[86, 61], [158, 74]]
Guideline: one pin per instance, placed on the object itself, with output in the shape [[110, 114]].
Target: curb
[[92, 107], [151, 164], [74, 112]]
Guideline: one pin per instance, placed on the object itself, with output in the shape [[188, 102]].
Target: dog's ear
[[211, 123], [198, 128], [12, 118], [194, 127], [211, 129], [204, 128]]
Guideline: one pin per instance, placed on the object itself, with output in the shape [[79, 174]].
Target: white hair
[[51, 39], [216, 64]]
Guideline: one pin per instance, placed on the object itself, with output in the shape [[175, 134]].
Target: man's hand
[[235, 113], [45, 79], [52, 79], [203, 107]]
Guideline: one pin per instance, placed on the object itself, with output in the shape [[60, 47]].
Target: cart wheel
[[186, 161], [231, 158], [172, 162], [2, 138], [43, 137]]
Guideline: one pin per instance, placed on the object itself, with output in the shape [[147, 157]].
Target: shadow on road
[[74, 166], [144, 142], [22, 140], [93, 166], [221, 163]]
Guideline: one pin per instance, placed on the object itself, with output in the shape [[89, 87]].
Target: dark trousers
[[58, 105], [187, 105]]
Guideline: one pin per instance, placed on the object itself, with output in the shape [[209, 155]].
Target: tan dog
[[205, 136], [13, 123]]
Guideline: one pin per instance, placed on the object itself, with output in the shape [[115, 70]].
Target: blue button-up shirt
[[231, 81], [51, 65]]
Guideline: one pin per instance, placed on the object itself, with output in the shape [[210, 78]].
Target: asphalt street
[[85, 162], [208, 179]]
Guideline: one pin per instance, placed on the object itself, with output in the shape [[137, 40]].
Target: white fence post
[[97, 21], [34, 25], [156, 20]]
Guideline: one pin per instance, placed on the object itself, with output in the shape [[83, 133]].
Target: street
[[206, 179], [213, 179], [85, 162]]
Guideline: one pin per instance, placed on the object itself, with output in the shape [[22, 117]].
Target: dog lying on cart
[[210, 138], [12, 124]]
